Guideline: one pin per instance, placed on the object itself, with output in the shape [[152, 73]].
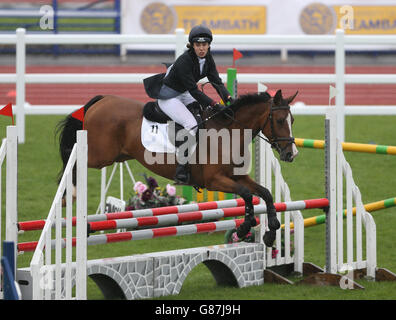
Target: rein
[[274, 141]]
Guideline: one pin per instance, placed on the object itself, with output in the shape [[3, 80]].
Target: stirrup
[[179, 182], [185, 178]]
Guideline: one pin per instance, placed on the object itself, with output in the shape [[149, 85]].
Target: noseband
[[274, 141]]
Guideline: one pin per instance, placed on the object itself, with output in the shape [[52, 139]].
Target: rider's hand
[[222, 109], [229, 100], [217, 107]]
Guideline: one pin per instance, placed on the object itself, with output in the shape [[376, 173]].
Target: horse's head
[[277, 126]]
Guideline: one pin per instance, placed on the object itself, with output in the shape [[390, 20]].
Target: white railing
[[46, 275], [355, 259], [338, 234], [339, 41], [8, 151], [280, 190]]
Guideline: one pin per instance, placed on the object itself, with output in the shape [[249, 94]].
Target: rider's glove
[[221, 109], [217, 107], [229, 100]]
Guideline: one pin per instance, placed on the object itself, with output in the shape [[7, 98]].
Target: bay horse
[[114, 123]]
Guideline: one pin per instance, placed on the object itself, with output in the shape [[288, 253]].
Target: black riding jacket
[[184, 75]]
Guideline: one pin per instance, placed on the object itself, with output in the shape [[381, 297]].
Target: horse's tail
[[67, 130]]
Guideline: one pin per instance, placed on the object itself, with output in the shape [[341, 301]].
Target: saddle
[[158, 119], [152, 112]]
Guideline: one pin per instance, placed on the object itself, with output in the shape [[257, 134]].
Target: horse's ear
[[278, 97], [291, 98]]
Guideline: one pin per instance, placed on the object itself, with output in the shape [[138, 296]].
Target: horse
[[113, 125]]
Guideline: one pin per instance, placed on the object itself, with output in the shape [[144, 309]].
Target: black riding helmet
[[200, 34]]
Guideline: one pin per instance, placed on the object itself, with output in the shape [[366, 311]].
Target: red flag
[[79, 115], [235, 56], [7, 111]]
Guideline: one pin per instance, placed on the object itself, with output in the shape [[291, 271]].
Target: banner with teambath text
[[259, 17]]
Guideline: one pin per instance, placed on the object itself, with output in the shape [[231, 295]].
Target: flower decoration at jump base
[[150, 195]]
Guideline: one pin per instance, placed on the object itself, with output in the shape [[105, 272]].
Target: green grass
[[39, 163]]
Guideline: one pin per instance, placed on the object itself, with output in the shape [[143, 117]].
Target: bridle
[[274, 141]]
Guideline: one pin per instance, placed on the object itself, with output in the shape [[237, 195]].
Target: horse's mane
[[250, 99]]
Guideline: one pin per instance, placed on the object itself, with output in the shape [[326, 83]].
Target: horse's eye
[[280, 121]]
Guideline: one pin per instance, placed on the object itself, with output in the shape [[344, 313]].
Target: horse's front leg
[[228, 185], [265, 194]]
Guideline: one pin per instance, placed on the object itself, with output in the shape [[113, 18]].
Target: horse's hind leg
[[226, 184], [265, 194]]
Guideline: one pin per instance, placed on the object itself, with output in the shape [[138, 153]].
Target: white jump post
[[20, 82], [9, 151], [340, 83], [340, 173], [81, 213], [47, 277], [12, 185], [180, 42], [267, 166], [331, 188]]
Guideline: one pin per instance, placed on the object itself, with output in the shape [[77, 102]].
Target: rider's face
[[201, 48]]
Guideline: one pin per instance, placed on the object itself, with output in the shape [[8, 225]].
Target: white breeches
[[176, 109]]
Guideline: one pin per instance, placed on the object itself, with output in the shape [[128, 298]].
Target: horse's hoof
[[269, 238]]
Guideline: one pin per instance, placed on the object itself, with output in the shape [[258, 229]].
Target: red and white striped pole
[[215, 214], [184, 229], [147, 233], [39, 224]]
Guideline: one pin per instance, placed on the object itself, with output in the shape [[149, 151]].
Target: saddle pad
[[155, 137]]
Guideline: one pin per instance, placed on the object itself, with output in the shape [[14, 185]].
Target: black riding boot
[[182, 175]]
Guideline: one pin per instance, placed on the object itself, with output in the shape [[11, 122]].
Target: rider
[[177, 88]]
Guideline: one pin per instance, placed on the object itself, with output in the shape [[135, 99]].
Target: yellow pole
[[369, 207], [348, 146], [200, 196]]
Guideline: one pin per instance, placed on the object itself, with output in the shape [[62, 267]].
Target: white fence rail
[[339, 78]]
